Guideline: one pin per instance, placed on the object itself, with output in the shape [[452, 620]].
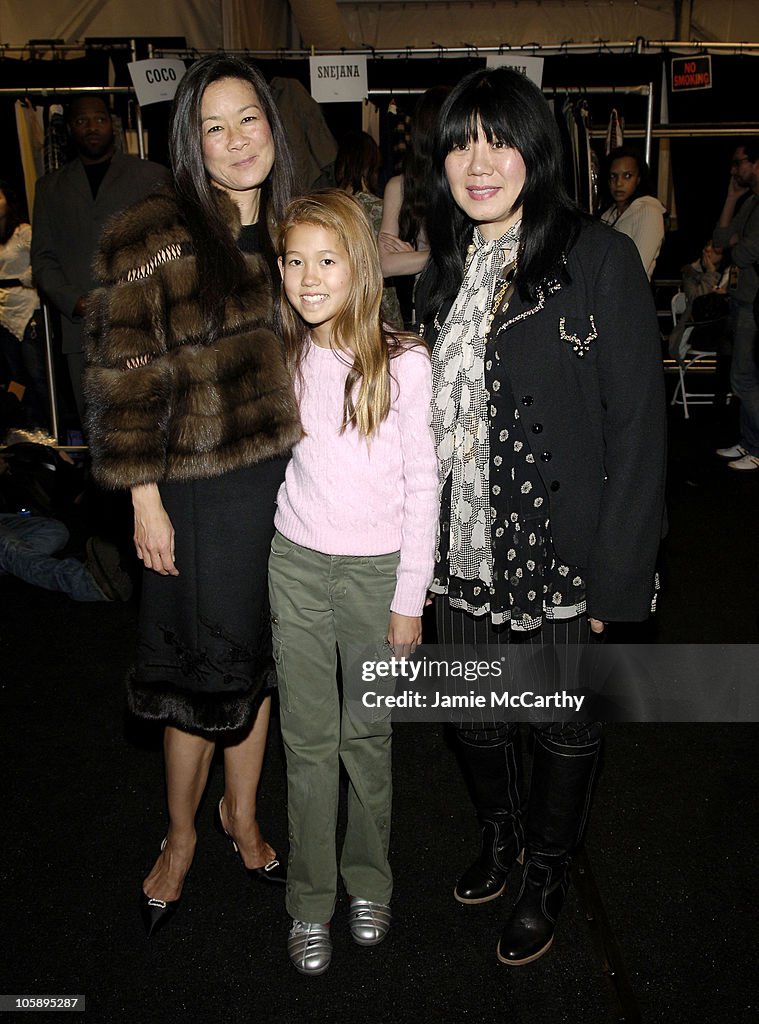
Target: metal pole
[[66, 90], [49, 370], [649, 121], [138, 110]]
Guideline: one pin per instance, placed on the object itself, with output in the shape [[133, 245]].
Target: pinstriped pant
[[557, 654]]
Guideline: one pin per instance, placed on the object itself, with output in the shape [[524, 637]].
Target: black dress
[[204, 657]]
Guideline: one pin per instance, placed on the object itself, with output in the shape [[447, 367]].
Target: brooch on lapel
[[580, 346]]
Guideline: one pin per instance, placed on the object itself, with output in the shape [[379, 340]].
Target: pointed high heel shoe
[[156, 913], [275, 872]]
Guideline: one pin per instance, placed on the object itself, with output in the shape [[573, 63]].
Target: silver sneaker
[[309, 947], [369, 922], [735, 451]]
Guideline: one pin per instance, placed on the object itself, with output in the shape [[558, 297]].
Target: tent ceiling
[[326, 24]]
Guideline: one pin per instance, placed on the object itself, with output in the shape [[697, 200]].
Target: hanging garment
[[615, 133], [574, 178], [31, 145], [119, 138], [311, 142], [370, 120], [584, 159], [595, 178], [56, 139]]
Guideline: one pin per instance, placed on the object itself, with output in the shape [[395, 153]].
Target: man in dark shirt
[[71, 208]]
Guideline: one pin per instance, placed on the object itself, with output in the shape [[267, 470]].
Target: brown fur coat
[[162, 404]]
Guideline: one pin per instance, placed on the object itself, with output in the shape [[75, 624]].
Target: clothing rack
[[35, 47], [639, 46], [600, 46], [611, 90], [60, 90], [604, 90]]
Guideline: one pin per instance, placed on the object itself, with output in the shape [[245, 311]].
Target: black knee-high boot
[[492, 771], [560, 792]]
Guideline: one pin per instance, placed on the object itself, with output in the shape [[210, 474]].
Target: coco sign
[[156, 81]]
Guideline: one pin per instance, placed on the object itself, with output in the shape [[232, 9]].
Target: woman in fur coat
[[190, 406]]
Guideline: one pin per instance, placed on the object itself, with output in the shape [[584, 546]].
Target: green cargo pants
[[321, 604]]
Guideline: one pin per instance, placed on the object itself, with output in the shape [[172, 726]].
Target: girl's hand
[[404, 634], [596, 626], [153, 532]]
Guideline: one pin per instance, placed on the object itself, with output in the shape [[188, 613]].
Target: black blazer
[[67, 226], [585, 368]]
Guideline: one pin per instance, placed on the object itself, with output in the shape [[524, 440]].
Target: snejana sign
[[338, 79]]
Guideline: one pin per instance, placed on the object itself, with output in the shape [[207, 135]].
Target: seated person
[[30, 535], [704, 276]]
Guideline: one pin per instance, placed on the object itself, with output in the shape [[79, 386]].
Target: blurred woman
[[357, 168], [403, 242]]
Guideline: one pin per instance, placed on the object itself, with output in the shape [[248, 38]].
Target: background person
[[196, 414], [403, 243], [549, 422], [357, 168], [705, 276], [20, 330], [636, 211], [38, 484], [71, 208], [739, 232]]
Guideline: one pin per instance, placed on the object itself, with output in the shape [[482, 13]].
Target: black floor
[[671, 843]]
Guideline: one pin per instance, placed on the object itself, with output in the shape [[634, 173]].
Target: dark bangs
[[460, 114]]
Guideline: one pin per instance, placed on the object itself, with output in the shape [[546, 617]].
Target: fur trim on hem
[[199, 713]]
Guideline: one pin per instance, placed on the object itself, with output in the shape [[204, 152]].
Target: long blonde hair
[[358, 330]]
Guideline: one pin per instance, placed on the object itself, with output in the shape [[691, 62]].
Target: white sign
[[156, 80], [530, 67], [338, 79]]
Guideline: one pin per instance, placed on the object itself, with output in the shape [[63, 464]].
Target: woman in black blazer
[[549, 420]]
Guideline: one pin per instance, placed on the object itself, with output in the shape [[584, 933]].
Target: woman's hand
[[596, 626], [404, 634], [391, 243], [153, 532], [399, 258]]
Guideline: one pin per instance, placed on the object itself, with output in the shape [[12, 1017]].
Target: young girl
[[350, 561]]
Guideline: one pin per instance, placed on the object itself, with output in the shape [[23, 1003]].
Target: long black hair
[[220, 264], [513, 111], [358, 163], [412, 216], [14, 211]]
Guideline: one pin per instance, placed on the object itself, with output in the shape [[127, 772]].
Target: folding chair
[[701, 359]]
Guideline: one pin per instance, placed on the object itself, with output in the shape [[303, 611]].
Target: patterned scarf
[[459, 413]]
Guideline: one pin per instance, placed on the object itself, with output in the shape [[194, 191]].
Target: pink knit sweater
[[344, 496]]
